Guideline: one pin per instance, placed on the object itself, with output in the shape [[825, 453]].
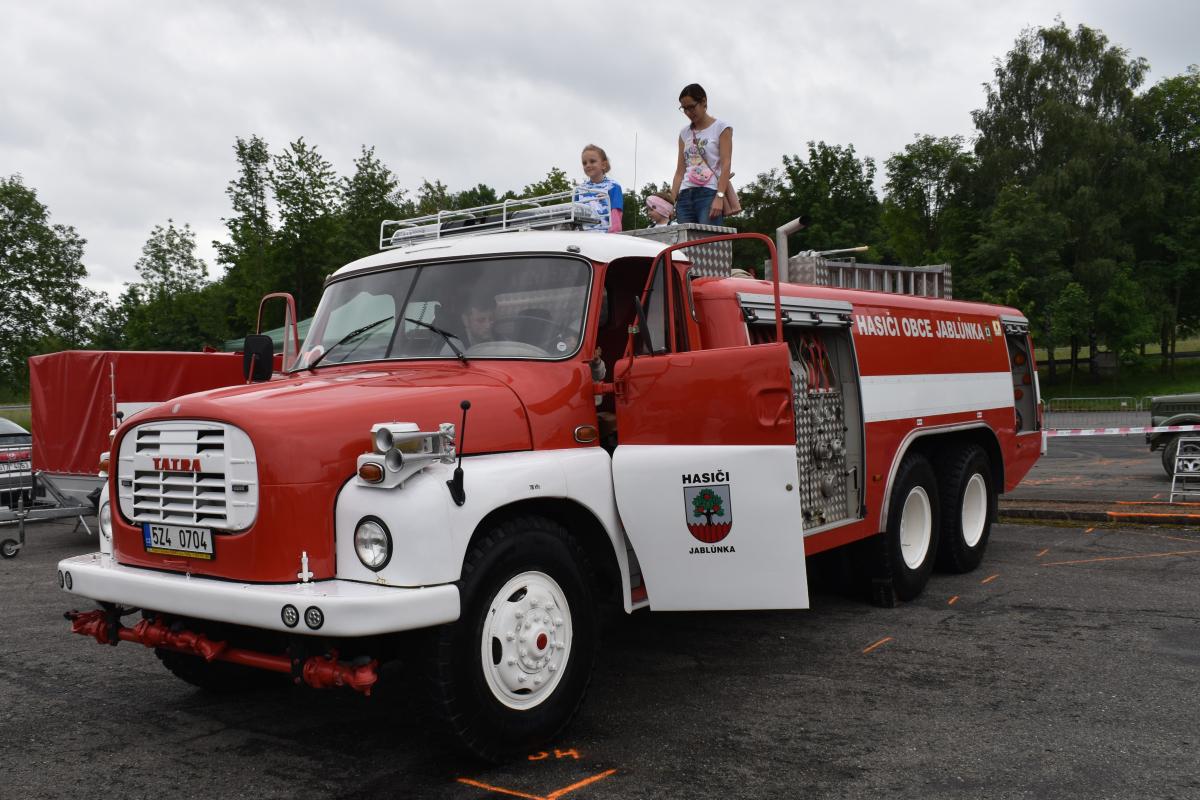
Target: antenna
[[457, 493], [636, 191]]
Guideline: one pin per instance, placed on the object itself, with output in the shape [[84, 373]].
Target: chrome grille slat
[[179, 496]]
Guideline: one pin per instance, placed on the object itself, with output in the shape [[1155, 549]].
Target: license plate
[[14, 466], [178, 540]]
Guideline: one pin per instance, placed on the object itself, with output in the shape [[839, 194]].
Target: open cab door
[[705, 467]]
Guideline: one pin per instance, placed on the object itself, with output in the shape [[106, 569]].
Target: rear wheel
[[968, 507], [911, 539], [512, 672]]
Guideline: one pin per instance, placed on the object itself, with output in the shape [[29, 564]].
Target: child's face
[[657, 218], [594, 166]]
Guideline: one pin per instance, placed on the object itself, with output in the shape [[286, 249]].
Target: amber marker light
[[1019, 359], [586, 434], [371, 472], [103, 462]]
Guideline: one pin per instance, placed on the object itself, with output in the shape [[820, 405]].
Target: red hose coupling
[[156, 634], [325, 672], [89, 623]]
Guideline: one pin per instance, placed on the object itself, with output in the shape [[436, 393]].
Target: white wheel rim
[[916, 527], [526, 640], [974, 510]]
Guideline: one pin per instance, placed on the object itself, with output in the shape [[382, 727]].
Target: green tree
[[368, 197], [1168, 116], [247, 256], [43, 304], [1016, 259], [925, 212], [172, 306], [1071, 320], [832, 186], [555, 181], [1122, 318], [306, 193], [1057, 124]]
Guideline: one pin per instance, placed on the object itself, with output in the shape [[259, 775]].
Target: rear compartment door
[[706, 478]]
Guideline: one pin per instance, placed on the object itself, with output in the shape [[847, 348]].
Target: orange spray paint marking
[[1123, 558], [952, 600], [585, 782], [489, 788], [989, 579], [880, 643], [1047, 550], [1089, 530], [557, 793]]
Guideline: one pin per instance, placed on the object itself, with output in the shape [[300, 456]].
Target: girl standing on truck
[[659, 209], [703, 166], [596, 167]]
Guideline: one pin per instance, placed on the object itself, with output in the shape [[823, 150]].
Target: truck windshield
[[522, 307]]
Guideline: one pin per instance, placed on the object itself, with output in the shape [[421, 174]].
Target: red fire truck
[[484, 436]]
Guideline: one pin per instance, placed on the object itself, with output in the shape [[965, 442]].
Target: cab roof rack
[[573, 209]]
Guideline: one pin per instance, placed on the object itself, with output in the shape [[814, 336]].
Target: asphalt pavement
[[1067, 665]]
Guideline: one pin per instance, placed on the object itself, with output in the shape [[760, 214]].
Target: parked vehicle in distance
[[1173, 409], [16, 449]]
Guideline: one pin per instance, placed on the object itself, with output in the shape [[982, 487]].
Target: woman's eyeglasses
[[689, 109]]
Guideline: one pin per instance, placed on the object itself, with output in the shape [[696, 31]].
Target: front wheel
[[512, 672], [1173, 449]]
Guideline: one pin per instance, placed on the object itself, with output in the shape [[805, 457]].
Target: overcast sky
[[124, 114]]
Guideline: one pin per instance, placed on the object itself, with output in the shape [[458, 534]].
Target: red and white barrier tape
[[1118, 431]]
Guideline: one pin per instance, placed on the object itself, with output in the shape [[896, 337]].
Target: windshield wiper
[[449, 337], [352, 334]]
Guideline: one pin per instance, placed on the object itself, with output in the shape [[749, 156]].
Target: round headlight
[[383, 440], [106, 520], [373, 544]]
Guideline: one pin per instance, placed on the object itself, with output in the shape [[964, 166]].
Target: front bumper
[[350, 608]]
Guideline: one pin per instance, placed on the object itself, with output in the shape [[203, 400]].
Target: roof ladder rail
[[574, 209]]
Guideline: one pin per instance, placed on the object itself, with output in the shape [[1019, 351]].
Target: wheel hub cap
[[526, 640]]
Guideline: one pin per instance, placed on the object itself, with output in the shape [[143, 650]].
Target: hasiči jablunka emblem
[[708, 511]]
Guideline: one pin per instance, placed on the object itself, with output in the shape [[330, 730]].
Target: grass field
[[19, 416], [1182, 346], [1139, 380]]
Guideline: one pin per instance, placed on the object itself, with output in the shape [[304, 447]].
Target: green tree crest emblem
[[707, 504]]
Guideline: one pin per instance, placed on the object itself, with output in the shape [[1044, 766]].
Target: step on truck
[[483, 437]]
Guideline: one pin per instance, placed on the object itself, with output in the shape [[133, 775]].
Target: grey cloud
[[124, 114]]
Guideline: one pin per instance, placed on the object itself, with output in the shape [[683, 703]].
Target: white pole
[[633, 215]]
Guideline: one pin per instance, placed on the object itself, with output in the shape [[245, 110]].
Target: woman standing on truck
[[703, 166]]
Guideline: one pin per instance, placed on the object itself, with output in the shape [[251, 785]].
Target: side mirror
[[258, 358]]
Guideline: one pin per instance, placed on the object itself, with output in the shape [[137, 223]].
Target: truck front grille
[[188, 473]]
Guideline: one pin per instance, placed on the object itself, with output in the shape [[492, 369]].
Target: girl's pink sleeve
[[614, 216]]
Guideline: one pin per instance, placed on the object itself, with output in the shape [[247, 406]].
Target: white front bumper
[[350, 608]]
